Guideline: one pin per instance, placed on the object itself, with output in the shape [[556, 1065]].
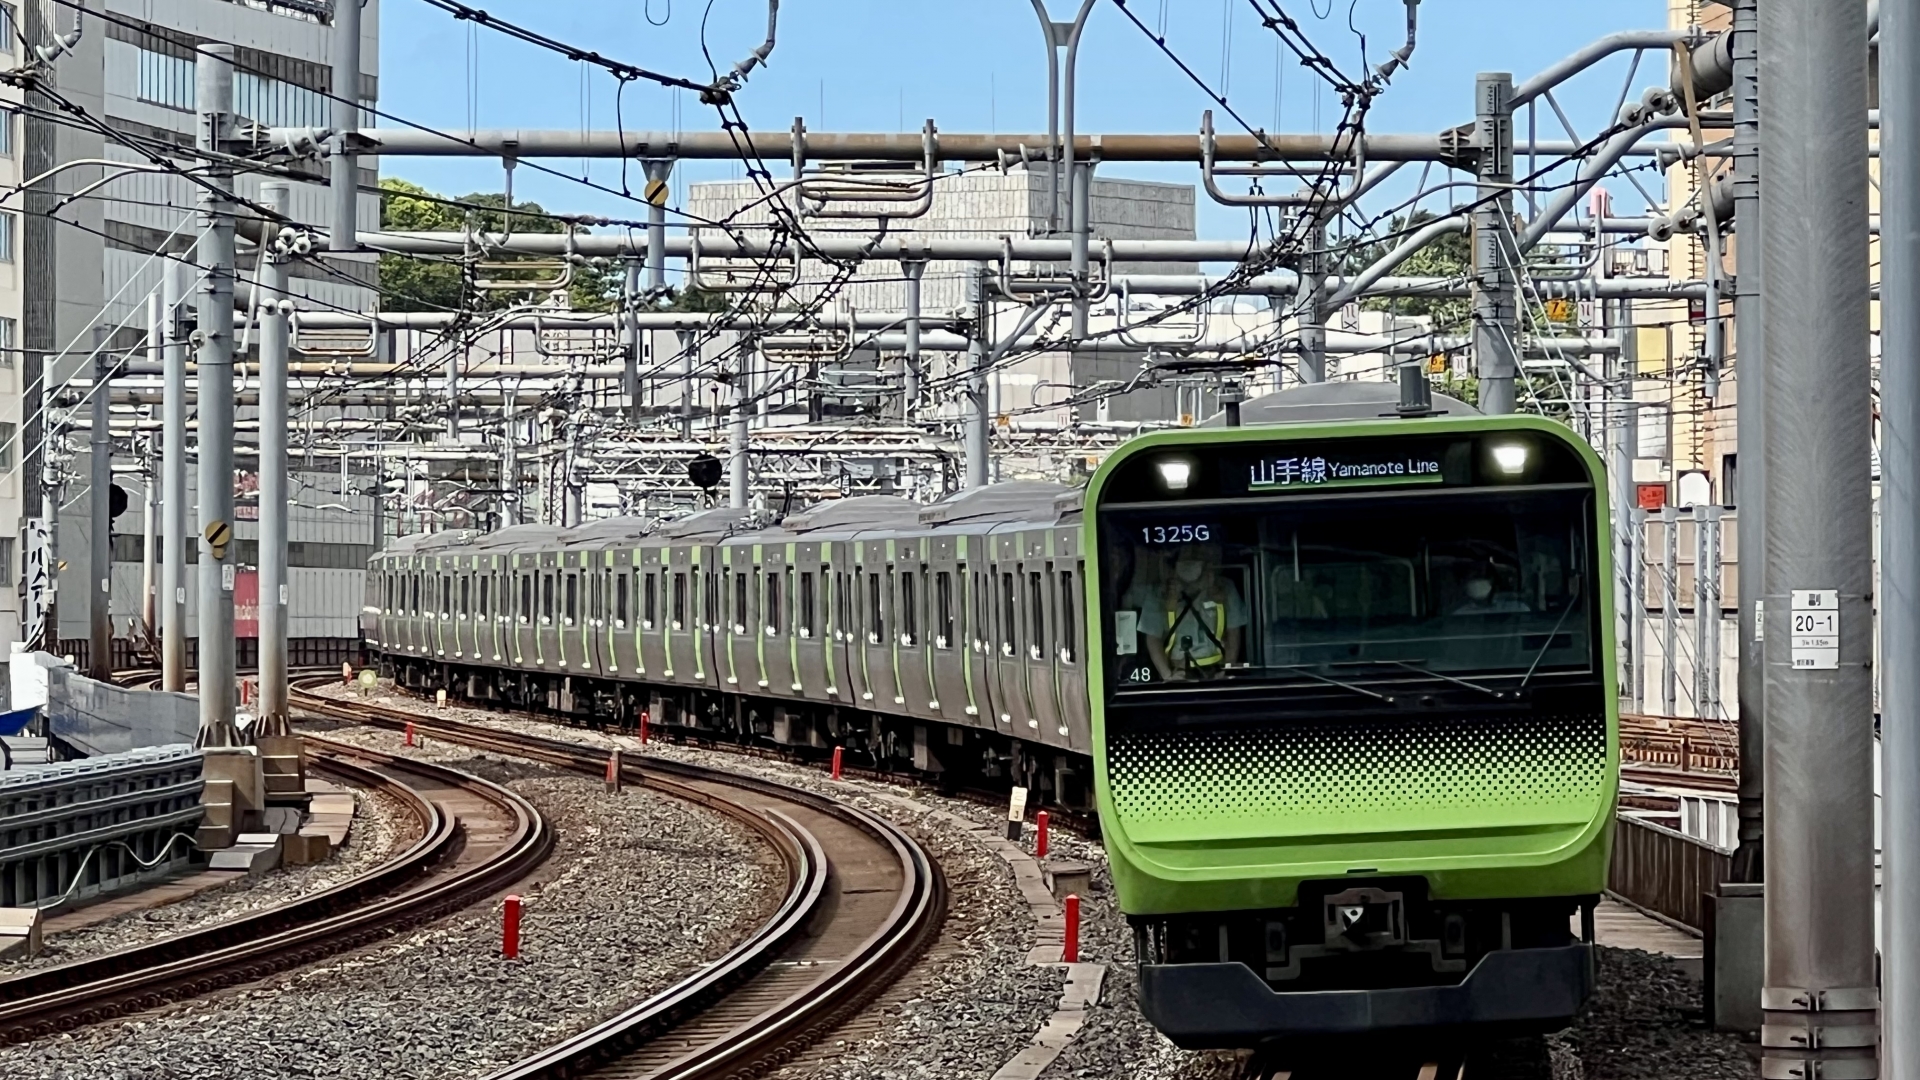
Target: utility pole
[[1819, 998], [214, 77], [1313, 302], [630, 305], [1751, 451], [344, 174], [1900, 533], [509, 466], [977, 465], [738, 461], [910, 362], [173, 480], [99, 490], [271, 279], [1495, 257], [1061, 149]]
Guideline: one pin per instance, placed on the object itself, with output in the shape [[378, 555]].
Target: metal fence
[[1665, 871], [72, 830]]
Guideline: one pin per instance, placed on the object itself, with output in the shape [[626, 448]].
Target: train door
[[877, 619], [1010, 669], [776, 624], [978, 572], [1070, 673], [653, 651], [836, 574], [744, 631], [947, 632], [1042, 631], [525, 603], [811, 616], [911, 607], [676, 613]]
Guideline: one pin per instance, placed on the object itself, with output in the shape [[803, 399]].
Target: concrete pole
[[739, 464], [1669, 611], [1079, 180], [686, 384], [215, 360], [344, 174], [1900, 531], [658, 169], [630, 305], [149, 551], [100, 487], [1495, 307], [1313, 306], [1819, 996], [977, 418], [1751, 451], [1637, 585], [509, 471], [910, 362], [271, 275], [173, 482]]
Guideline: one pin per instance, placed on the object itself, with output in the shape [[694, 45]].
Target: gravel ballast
[[640, 890], [381, 829]]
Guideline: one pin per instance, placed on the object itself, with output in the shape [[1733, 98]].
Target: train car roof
[[1016, 501], [528, 535], [610, 530], [1323, 402], [857, 514], [715, 524]]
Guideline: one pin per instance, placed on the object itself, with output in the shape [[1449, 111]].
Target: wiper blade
[[1312, 674], [1412, 666]]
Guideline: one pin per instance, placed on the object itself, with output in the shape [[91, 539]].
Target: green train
[[1355, 722]]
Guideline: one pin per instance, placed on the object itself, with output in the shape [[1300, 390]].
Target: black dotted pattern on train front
[[1411, 766]]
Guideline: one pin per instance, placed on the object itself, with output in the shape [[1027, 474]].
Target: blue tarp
[[14, 723]]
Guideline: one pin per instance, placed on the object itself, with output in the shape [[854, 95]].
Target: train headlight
[[1511, 458], [1175, 473]]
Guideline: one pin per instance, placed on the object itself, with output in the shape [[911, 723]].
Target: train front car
[[1355, 724]]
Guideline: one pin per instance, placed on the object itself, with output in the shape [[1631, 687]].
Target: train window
[[805, 614], [876, 621], [596, 596], [573, 597], [526, 597], [943, 600], [466, 595], [679, 601], [1037, 610], [740, 603], [620, 600], [771, 616], [546, 598], [909, 611], [484, 609], [712, 610], [1064, 618], [649, 606], [1009, 617]]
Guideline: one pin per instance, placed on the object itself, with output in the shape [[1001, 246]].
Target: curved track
[[864, 900], [476, 838]]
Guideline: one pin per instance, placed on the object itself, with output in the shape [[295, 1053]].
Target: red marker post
[[1070, 948], [643, 729], [510, 929], [1040, 835], [346, 673], [410, 741], [613, 772], [837, 751]]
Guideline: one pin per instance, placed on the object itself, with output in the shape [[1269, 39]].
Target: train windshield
[[1473, 583]]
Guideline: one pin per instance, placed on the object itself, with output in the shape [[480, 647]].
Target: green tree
[[428, 283]]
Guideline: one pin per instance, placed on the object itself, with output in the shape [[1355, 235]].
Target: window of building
[[9, 128], [9, 443], [166, 80], [9, 229], [9, 29]]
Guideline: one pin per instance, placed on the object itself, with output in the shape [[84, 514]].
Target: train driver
[[1195, 631]]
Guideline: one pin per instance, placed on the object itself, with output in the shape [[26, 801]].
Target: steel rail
[[346, 916], [749, 1010]]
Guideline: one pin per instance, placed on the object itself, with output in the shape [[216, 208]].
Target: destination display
[[1270, 474]]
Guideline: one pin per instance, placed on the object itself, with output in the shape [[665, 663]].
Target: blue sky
[[972, 65]]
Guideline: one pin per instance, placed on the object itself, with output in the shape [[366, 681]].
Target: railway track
[[863, 902], [476, 838]]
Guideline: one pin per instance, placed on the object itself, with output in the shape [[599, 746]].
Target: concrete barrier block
[[213, 837], [20, 933], [250, 859], [1068, 878]]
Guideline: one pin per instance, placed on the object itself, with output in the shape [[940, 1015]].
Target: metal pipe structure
[[630, 334], [977, 420], [214, 74], [659, 170], [1819, 998], [1751, 451], [274, 615], [1495, 258], [1589, 55], [1313, 306], [1669, 610], [344, 167], [99, 488], [1079, 178], [173, 481], [1900, 534]]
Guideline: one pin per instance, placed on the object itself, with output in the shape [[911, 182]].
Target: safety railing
[[1665, 871], [75, 829]]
